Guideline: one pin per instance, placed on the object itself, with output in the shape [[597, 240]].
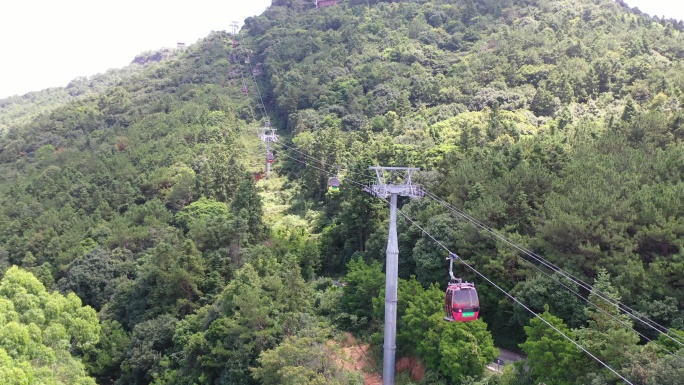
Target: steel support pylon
[[268, 135], [392, 182], [234, 26], [391, 274]]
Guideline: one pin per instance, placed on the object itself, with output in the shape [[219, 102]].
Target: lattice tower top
[[395, 180], [267, 134]]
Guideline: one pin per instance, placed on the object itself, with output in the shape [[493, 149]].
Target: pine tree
[[247, 205], [629, 111]]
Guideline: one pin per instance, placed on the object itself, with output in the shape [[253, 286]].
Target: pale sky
[[47, 43]]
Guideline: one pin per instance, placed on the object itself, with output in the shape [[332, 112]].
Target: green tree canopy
[[552, 358], [40, 333], [457, 350], [302, 360]]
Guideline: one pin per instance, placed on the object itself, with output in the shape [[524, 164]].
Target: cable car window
[[465, 298]]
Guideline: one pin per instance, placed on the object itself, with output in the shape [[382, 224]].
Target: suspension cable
[[600, 309], [325, 164], [661, 329], [323, 170], [541, 260], [626, 309], [577, 344], [498, 287], [244, 85], [256, 85]]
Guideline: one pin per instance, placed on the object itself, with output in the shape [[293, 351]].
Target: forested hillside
[[558, 124], [18, 110]]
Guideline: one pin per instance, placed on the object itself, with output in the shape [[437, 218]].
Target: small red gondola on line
[[460, 301], [270, 158], [244, 88]]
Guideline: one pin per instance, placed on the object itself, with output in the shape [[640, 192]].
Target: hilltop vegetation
[[21, 109], [559, 123], [16, 111]]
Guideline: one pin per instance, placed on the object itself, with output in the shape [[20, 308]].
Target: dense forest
[[139, 243], [18, 110]]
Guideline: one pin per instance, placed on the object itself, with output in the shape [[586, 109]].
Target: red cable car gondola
[[270, 158], [460, 301], [244, 88]]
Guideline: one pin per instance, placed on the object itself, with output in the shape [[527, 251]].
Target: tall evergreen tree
[[247, 205]]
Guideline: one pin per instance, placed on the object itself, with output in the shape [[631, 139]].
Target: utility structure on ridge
[[234, 26], [392, 182], [268, 135]]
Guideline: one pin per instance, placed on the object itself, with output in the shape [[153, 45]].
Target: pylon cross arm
[[401, 175]]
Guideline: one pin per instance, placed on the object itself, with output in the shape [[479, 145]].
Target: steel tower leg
[[385, 189], [392, 272], [268, 165]]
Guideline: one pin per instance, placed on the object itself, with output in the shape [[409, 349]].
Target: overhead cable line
[[626, 309], [256, 85], [326, 164], [323, 170], [577, 344], [545, 263], [244, 85], [600, 309], [474, 221]]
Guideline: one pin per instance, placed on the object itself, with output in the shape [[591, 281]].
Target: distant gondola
[[334, 184], [270, 158]]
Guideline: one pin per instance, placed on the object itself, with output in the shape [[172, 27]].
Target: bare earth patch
[[356, 359], [413, 366]]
